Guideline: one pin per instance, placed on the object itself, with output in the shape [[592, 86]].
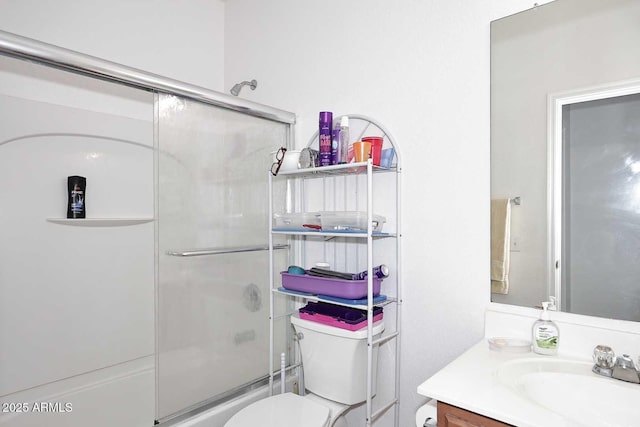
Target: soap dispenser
[[545, 333]]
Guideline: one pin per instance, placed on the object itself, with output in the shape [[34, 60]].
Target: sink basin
[[569, 388]]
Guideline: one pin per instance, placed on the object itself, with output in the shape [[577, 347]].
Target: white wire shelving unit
[[353, 186]]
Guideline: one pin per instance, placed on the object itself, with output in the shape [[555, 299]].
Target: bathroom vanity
[[452, 416], [469, 390], [487, 387]]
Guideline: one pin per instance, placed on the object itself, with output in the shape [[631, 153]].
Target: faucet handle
[[625, 362], [625, 370], [604, 357]]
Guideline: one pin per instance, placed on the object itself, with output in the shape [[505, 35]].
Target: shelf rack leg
[[369, 290], [270, 180]]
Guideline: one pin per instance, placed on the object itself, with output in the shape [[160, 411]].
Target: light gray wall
[[561, 46]]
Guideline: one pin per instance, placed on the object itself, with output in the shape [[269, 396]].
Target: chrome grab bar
[[220, 251]]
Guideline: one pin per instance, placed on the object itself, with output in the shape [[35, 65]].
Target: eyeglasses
[[278, 162]]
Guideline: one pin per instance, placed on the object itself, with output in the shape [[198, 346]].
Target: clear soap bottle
[[343, 142], [545, 333]]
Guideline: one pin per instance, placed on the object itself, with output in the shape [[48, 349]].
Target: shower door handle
[[220, 251]]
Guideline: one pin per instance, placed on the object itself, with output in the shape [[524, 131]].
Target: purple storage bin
[[349, 289]]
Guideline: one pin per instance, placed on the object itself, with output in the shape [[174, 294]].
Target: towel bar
[[219, 251]]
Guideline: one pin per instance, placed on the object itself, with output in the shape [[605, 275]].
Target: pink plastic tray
[[349, 289], [332, 321]]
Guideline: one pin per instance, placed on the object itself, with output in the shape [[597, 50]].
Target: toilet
[[427, 414], [334, 363]]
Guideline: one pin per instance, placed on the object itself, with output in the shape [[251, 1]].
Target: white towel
[[500, 237]]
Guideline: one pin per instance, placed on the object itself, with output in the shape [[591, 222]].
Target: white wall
[[181, 40], [421, 67]]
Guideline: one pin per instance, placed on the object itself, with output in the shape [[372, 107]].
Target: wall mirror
[[565, 157]]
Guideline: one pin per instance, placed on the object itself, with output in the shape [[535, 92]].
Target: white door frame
[[555, 103]]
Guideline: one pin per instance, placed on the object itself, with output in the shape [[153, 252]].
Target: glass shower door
[[212, 292]]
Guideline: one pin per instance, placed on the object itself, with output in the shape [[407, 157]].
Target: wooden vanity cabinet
[[452, 416]]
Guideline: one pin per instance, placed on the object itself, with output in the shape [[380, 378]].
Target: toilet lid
[[281, 410]]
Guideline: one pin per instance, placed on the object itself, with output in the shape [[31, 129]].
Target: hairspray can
[[324, 133], [76, 203], [380, 272]]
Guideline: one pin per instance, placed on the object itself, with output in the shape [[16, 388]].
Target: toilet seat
[[282, 410]]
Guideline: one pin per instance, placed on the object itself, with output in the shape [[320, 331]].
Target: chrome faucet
[[620, 368], [625, 370]]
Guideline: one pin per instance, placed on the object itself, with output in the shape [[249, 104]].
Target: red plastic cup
[[376, 147]]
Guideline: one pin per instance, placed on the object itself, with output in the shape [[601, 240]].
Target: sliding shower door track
[[29, 49]]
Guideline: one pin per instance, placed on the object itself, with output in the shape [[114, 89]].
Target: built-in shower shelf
[[99, 222]]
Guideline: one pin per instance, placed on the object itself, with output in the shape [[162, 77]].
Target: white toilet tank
[[335, 360]]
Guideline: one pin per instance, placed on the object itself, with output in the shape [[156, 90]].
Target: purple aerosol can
[[380, 272], [324, 133]]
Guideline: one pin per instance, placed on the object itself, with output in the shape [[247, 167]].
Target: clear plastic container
[[296, 220], [511, 345], [349, 220]]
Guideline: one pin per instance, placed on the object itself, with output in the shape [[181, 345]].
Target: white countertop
[[470, 382]]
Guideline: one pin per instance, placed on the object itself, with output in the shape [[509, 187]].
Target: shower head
[[235, 90]]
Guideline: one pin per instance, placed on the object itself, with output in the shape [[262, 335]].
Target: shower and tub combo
[[159, 314]]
